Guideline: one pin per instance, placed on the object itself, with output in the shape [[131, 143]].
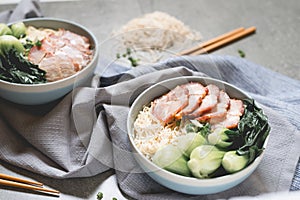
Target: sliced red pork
[[166, 107], [208, 102], [61, 54], [220, 110], [232, 117], [196, 93], [205, 104]]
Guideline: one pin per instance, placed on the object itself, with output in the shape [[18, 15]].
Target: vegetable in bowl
[[228, 151], [40, 55], [14, 67], [51, 72], [223, 149]]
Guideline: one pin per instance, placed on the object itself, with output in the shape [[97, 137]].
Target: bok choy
[[14, 67]]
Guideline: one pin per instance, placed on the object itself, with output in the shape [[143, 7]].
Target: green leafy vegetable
[[205, 160], [8, 42], [15, 68], [172, 159], [254, 129], [5, 30], [232, 162], [18, 30], [219, 138], [204, 153], [187, 143]]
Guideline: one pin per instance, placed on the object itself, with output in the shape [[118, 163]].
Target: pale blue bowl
[[36, 94], [173, 181]]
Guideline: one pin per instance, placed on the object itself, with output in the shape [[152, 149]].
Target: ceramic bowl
[[188, 185], [35, 94]]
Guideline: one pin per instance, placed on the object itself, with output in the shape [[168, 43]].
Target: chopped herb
[[128, 51], [114, 198], [99, 196], [242, 54], [38, 43], [133, 61], [204, 130], [29, 44]]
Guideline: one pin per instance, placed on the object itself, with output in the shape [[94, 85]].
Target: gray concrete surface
[[276, 45]]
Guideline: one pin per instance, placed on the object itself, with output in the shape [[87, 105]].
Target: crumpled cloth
[[25, 9], [84, 133]]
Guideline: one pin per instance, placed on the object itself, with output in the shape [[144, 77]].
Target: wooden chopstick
[[219, 41], [12, 178], [25, 186]]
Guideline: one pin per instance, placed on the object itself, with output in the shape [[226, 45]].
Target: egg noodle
[[150, 134]]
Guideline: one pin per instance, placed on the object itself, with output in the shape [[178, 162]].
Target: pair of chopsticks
[[12, 181], [219, 41]]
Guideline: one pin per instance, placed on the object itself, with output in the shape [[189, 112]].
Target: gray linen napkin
[[85, 133], [278, 95], [25, 9]]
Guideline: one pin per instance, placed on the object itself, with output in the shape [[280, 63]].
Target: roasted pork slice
[[236, 107], [178, 93], [36, 55], [61, 54], [196, 93], [208, 102], [166, 107], [228, 121], [75, 40], [57, 66], [232, 117], [76, 56], [220, 110], [53, 72]]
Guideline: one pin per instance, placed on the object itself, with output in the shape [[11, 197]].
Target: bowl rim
[[192, 181], [64, 81]]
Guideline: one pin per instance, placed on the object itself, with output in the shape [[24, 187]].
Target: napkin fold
[[85, 133], [25, 9]]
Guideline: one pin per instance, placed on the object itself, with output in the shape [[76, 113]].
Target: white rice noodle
[[150, 134], [156, 31]]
